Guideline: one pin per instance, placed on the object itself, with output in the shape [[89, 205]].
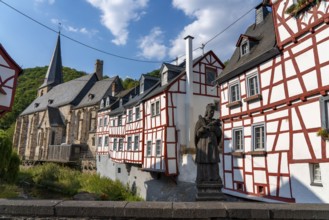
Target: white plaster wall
[[302, 190]]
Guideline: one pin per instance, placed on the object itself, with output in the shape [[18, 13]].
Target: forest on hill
[[29, 82]]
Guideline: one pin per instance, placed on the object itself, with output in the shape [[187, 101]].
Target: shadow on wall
[[164, 188], [303, 193]]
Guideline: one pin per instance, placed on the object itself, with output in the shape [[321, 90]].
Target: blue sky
[[146, 30]]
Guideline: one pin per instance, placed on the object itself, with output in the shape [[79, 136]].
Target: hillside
[[28, 84]]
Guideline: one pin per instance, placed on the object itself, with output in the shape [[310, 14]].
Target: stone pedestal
[[210, 191]]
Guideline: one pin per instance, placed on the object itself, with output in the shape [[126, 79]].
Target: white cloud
[[117, 15], [152, 46], [50, 2], [70, 28], [209, 18]]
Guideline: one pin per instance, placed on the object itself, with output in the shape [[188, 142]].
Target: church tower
[[54, 74]]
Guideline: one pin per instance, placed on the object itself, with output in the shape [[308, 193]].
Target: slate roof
[[55, 118], [65, 93], [263, 50], [99, 91], [54, 75]]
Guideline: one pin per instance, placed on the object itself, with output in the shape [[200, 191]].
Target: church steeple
[[54, 74]]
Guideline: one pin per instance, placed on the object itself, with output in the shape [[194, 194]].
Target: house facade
[[273, 103], [150, 147], [63, 115], [9, 71]]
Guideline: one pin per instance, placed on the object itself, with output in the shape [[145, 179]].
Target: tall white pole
[[189, 91]]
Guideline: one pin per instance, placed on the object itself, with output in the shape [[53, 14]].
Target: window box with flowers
[[300, 5]]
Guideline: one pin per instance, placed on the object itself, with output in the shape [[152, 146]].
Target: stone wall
[[57, 209]]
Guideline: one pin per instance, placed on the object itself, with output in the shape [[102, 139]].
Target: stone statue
[[207, 138]]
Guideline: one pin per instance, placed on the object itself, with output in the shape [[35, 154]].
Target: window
[[141, 88], [237, 139], [113, 122], [130, 115], [129, 143], [158, 147], [100, 122], [120, 144], [137, 113], [115, 144], [258, 137], [107, 101], [102, 103], [155, 108], [252, 83], [315, 173], [234, 92], [148, 148], [324, 106], [106, 141], [99, 141], [210, 76], [105, 122], [244, 48], [93, 141], [53, 135], [120, 120], [136, 143]]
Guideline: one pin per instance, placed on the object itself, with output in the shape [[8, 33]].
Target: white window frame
[[120, 144], [149, 148], [315, 171], [100, 140], [115, 144], [130, 115], [244, 47], [136, 142], [208, 71], [137, 113], [238, 95], [158, 147], [249, 77], [254, 127], [106, 141], [234, 130], [129, 143], [120, 120], [105, 121], [100, 122]]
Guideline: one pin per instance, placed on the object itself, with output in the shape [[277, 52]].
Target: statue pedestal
[[210, 191]]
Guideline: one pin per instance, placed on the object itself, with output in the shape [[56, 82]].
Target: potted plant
[[324, 133]]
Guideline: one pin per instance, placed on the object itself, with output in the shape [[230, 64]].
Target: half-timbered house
[[273, 103], [158, 125], [9, 71]]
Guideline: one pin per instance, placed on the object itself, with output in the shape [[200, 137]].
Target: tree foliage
[[9, 160], [28, 83]]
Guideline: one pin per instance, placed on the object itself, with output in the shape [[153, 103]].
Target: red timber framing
[[9, 72], [134, 128], [164, 126], [117, 132], [102, 131], [290, 86]]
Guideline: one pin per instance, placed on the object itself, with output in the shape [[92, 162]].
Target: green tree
[[28, 83], [9, 161]]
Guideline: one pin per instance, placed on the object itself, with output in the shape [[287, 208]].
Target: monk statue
[[207, 138]]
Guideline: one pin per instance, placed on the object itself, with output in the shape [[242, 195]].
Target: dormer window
[[141, 88], [107, 101], [36, 105], [244, 48], [50, 101], [102, 103]]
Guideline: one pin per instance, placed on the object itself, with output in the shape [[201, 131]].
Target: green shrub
[[13, 168], [5, 152]]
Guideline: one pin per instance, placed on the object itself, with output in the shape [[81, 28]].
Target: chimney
[[189, 91], [261, 12], [99, 69]]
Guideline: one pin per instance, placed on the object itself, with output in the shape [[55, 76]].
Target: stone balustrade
[[59, 209]]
